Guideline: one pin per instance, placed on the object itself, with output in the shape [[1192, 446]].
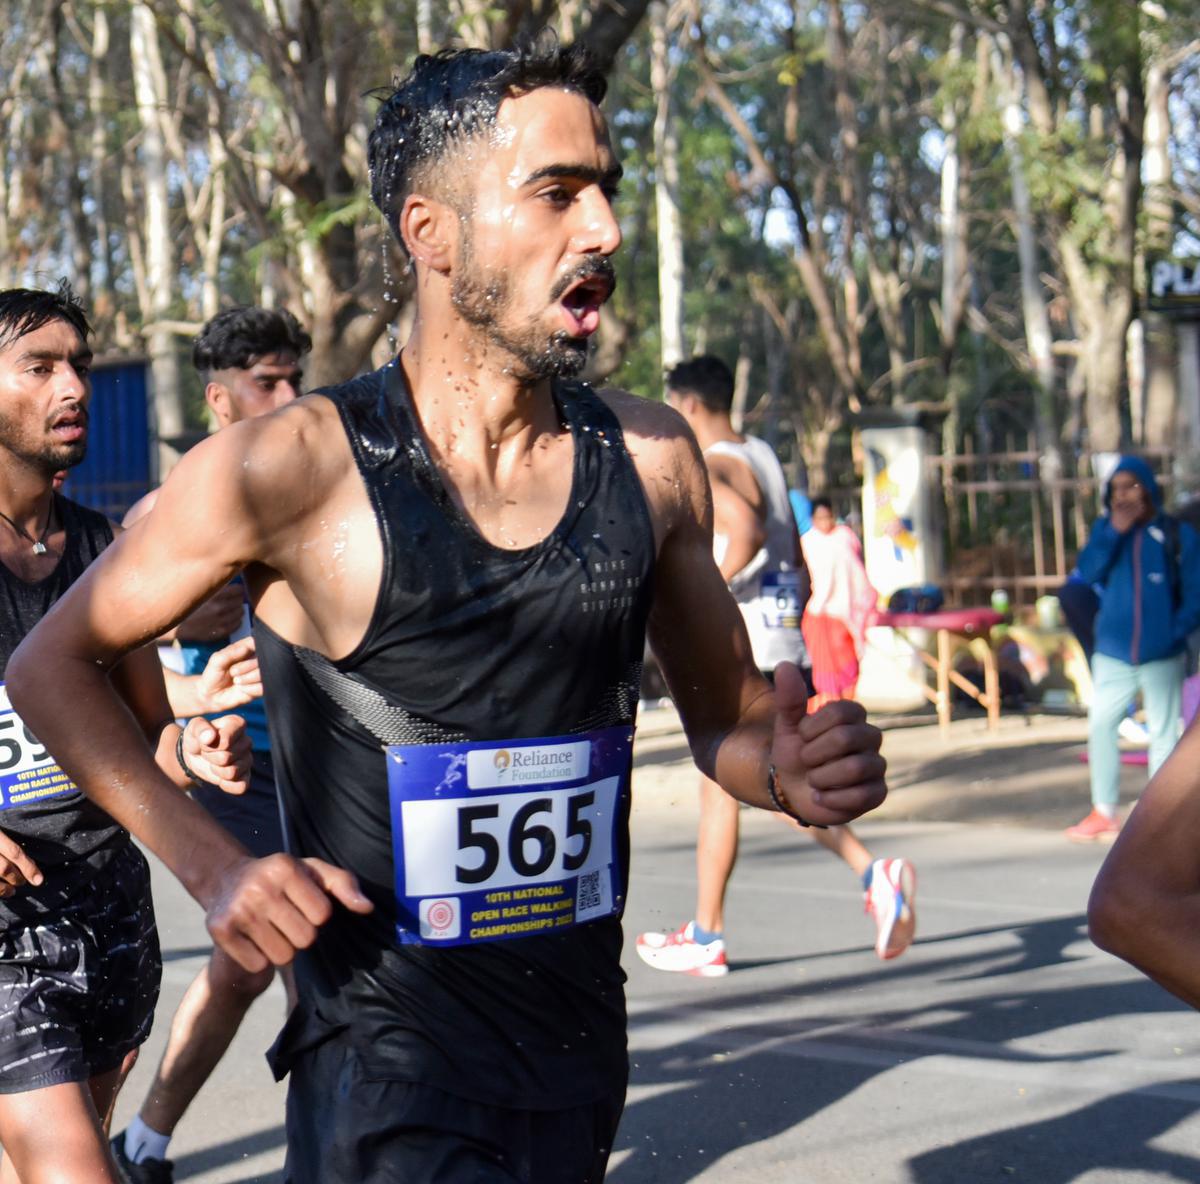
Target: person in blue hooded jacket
[[1148, 564]]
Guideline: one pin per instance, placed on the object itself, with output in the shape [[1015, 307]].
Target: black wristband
[[780, 802], [188, 771]]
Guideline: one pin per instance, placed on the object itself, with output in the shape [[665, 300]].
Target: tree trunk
[[425, 42], [159, 248], [1104, 372], [99, 112], [666, 194], [953, 224], [1039, 339], [81, 230], [1160, 395]]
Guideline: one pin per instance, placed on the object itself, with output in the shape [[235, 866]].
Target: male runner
[[757, 548], [1145, 904], [453, 562], [249, 359], [79, 959]]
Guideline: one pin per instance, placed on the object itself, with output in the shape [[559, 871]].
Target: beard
[[43, 456], [484, 299]]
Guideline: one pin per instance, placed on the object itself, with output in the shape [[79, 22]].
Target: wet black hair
[[237, 338], [26, 310], [820, 502], [706, 377], [453, 96]]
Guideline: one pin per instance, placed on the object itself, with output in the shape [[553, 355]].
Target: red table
[[947, 623]]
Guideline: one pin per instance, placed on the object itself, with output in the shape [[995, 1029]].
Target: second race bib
[[28, 773], [780, 599]]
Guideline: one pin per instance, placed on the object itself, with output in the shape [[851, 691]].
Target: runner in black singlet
[[455, 561], [79, 960]]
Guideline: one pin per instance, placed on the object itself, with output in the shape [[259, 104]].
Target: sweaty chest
[[517, 508]]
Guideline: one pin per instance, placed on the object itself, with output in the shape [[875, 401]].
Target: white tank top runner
[[767, 588]]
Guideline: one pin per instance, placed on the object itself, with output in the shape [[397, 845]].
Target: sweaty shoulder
[[268, 472], [666, 456]]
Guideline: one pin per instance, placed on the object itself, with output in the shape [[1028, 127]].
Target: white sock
[[1109, 812], [143, 1142]]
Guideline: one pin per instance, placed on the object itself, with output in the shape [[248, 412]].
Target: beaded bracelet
[[781, 804]]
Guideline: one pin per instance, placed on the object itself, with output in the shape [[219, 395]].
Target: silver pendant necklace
[[39, 544]]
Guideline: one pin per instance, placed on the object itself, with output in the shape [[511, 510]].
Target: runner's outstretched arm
[[1145, 904], [828, 766], [149, 578]]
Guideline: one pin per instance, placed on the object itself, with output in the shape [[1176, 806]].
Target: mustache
[[593, 267]]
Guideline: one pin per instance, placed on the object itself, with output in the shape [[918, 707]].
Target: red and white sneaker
[[1095, 828], [891, 901], [681, 953]]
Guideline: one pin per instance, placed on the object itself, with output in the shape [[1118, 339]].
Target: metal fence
[[1006, 526]]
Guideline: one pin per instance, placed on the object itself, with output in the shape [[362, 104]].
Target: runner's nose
[[598, 232]]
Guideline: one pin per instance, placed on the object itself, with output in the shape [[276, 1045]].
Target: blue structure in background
[[118, 468]]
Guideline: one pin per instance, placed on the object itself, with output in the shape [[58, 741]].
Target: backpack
[[926, 598], [1173, 545]]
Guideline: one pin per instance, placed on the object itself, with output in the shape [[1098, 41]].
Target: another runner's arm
[[828, 765], [256, 489], [734, 519], [230, 679], [218, 751], [1145, 904]]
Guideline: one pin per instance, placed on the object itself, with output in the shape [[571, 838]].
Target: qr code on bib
[[592, 896]]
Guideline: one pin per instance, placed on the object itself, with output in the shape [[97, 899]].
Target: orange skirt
[[833, 655]]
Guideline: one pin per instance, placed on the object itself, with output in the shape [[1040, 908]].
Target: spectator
[[1148, 565], [840, 607]]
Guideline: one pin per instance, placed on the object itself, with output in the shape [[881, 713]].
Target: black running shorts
[[78, 992], [251, 817], [344, 1127]]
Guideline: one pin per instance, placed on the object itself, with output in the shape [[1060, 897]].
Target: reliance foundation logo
[[534, 764]]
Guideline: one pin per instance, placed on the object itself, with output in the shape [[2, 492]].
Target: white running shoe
[[681, 953], [890, 900]]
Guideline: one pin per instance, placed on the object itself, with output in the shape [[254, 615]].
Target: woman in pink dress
[[841, 607]]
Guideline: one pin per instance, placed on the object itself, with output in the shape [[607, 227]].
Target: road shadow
[[745, 1084], [1115, 1134], [219, 1154], [1042, 943]]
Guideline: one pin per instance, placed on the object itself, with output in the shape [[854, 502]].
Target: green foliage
[[320, 220]]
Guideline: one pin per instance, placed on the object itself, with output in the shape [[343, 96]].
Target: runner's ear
[[428, 228]]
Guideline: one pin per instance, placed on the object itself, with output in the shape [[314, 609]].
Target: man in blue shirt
[[1148, 564]]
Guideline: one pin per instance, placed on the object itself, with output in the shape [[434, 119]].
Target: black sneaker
[[149, 1171]]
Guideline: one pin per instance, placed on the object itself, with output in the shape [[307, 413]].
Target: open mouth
[[582, 302], [69, 428]]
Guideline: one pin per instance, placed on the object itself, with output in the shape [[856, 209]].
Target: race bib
[[780, 600], [28, 773], [504, 839]]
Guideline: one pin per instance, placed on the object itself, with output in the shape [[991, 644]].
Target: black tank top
[[468, 642], [67, 835]]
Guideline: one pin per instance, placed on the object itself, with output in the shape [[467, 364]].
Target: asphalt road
[[1001, 1047]]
